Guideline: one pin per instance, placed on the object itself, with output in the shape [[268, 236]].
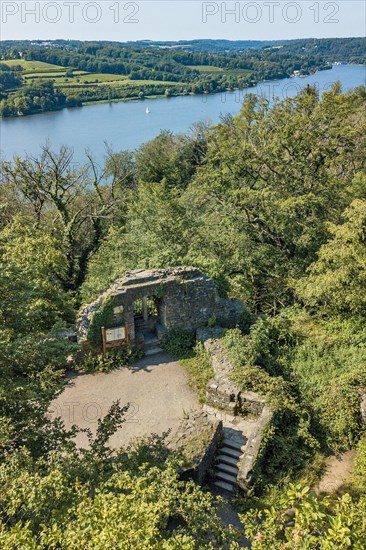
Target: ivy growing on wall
[[159, 291], [101, 318]]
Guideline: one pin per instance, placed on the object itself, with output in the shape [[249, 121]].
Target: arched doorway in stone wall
[[146, 319]]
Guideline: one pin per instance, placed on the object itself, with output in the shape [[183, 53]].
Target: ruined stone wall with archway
[[185, 299]]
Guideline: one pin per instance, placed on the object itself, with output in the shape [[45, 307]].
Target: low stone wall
[[198, 439], [247, 460], [222, 393]]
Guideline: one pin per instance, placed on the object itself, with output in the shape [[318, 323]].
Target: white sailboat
[[147, 110]]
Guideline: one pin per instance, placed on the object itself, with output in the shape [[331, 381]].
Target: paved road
[[156, 387]]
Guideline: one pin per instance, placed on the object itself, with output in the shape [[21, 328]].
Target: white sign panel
[[118, 333]]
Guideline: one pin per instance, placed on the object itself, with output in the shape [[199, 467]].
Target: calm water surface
[[125, 125]]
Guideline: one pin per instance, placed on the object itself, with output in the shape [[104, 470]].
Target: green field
[[53, 75], [38, 70], [149, 82], [92, 78], [206, 68], [80, 78], [33, 66], [237, 72], [115, 80], [214, 70]]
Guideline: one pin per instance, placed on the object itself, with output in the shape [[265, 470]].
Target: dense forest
[[271, 204], [153, 70], [331, 46]]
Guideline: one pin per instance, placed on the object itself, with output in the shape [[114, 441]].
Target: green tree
[[301, 520], [336, 283], [77, 202], [32, 297], [270, 183]]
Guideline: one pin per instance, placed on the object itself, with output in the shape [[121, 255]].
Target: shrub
[[339, 410], [73, 101], [178, 343], [246, 320], [288, 442], [301, 520], [199, 370], [212, 321], [268, 345], [359, 473], [111, 360]]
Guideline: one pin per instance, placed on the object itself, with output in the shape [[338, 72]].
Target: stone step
[[230, 460], [225, 486], [142, 325], [153, 351], [151, 340], [151, 346], [225, 477], [233, 470], [230, 452], [232, 444]]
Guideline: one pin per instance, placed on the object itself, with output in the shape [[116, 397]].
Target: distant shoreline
[[162, 96]]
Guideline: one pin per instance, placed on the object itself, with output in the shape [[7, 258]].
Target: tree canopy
[[272, 205]]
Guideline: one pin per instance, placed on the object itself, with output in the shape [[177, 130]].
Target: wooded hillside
[[272, 205]]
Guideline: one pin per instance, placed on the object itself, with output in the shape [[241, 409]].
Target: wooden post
[[104, 339]]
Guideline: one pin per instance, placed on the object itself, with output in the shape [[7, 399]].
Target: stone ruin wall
[[202, 435], [186, 299], [223, 394]]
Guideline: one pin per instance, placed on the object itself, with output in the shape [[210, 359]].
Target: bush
[[199, 370], [268, 345], [340, 412], [299, 519], [212, 322], [178, 343], [73, 101], [113, 359], [101, 318], [246, 320], [359, 473], [288, 443]]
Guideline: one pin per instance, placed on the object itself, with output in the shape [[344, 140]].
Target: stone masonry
[[184, 298], [197, 439], [221, 392], [223, 395]]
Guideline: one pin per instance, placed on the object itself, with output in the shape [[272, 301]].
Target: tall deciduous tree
[[336, 283], [75, 204]]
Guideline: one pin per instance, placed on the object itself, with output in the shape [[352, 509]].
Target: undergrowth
[[112, 359]]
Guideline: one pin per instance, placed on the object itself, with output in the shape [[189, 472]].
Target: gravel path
[[337, 472], [156, 388]]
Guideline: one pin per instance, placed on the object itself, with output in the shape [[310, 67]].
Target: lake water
[[125, 125]]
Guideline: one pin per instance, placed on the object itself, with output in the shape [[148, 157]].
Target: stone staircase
[[151, 344], [226, 468]]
